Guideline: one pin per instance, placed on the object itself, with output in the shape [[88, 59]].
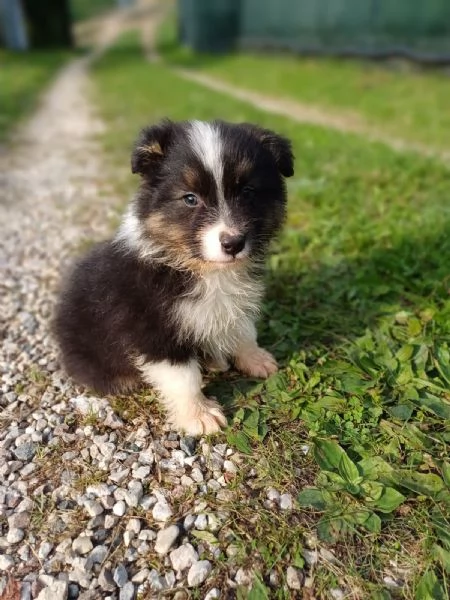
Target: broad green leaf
[[421, 358], [441, 526], [349, 470], [367, 519], [429, 588], [443, 363], [442, 556], [333, 481], [372, 490], [328, 454], [239, 415], [402, 412], [258, 591], [414, 327], [405, 353], [263, 430], [312, 497], [404, 375], [424, 484], [251, 420], [374, 467], [436, 405], [331, 403], [330, 529], [389, 500], [240, 441], [446, 473], [205, 536]]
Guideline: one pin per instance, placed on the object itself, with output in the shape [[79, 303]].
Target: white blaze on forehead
[[207, 145]]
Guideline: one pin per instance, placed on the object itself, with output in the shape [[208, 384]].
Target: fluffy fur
[[180, 286]]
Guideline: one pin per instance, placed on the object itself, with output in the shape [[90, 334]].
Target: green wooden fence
[[415, 28]]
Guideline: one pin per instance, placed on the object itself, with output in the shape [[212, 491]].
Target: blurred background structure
[[372, 28], [378, 28]]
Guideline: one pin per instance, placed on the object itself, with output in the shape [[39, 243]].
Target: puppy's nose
[[232, 244]]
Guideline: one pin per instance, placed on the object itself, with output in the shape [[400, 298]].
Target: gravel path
[[89, 503]]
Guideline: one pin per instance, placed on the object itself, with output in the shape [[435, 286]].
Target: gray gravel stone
[[82, 545], [166, 538], [198, 572], [201, 522], [294, 578], [127, 592], [197, 475], [44, 550], [229, 466], [15, 535], [141, 576], [162, 511], [19, 519], [156, 582], [119, 508], [25, 451], [93, 508], [6, 562], [286, 502], [120, 575], [97, 556], [106, 581], [273, 494], [57, 590], [183, 557], [243, 577], [188, 445], [134, 493], [213, 594], [310, 556], [189, 521]]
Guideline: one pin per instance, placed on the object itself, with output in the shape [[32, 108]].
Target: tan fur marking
[[154, 148], [190, 178]]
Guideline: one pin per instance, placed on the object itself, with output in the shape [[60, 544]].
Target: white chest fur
[[220, 311]]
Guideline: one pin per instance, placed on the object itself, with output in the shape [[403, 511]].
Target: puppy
[[180, 285]]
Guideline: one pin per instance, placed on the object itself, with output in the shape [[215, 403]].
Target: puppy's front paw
[[201, 418], [256, 362]]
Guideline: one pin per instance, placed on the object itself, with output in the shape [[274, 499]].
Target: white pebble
[[119, 508], [198, 572], [166, 538], [183, 557]]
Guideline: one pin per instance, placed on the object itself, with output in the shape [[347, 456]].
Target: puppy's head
[[212, 194]]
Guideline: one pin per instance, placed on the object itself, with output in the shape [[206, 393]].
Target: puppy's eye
[[248, 192], [190, 200]]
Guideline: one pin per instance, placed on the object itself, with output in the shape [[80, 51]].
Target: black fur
[[116, 304]]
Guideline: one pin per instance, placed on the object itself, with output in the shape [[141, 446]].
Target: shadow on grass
[[320, 309]]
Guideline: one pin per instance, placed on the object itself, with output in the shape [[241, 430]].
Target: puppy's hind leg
[[179, 386]]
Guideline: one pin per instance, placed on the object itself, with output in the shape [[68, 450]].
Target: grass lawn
[[413, 105], [357, 423], [22, 77], [86, 9]]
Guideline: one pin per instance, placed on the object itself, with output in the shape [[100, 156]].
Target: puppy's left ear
[[279, 146], [151, 147]]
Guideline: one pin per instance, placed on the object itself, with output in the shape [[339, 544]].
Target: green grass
[[358, 314], [22, 78], [391, 97], [86, 9]]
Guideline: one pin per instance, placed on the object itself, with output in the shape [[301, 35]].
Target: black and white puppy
[[180, 285]]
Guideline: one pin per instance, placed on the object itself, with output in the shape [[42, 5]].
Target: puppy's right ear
[[151, 148]]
